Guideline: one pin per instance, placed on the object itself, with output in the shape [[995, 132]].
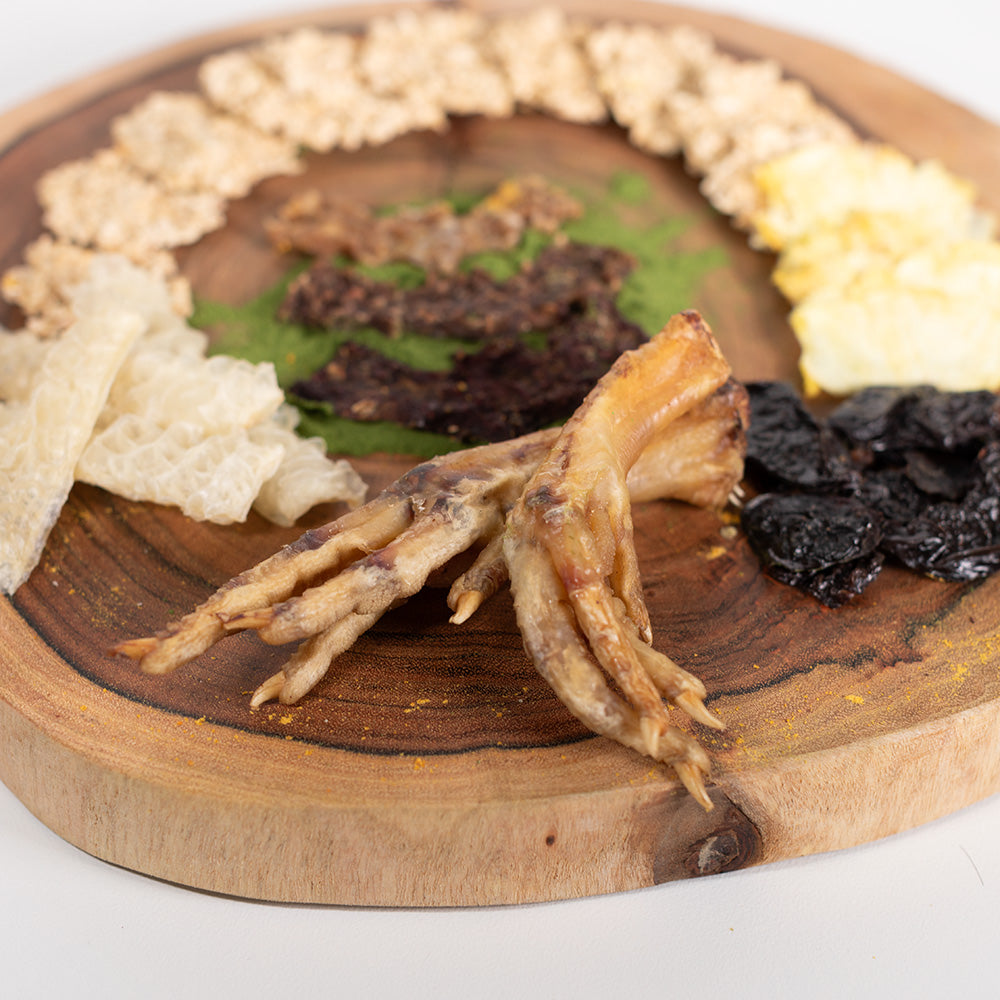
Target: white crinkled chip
[[205, 434], [305, 477], [42, 437], [21, 355], [219, 393], [209, 476]]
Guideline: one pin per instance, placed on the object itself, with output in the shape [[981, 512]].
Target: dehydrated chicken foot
[[572, 563], [568, 546]]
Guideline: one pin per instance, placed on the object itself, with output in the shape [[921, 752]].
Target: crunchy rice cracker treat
[[638, 68], [185, 145], [543, 56], [448, 66], [105, 203], [305, 86], [43, 284]]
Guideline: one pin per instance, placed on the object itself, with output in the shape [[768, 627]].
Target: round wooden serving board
[[433, 766]]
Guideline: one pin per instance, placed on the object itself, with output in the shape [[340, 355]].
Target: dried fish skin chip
[[822, 184], [185, 145], [306, 476], [105, 203], [42, 438], [209, 476], [929, 317]]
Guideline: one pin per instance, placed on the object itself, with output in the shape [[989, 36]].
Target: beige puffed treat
[[42, 285], [638, 68], [306, 476], [319, 69], [184, 144], [105, 203], [43, 436], [447, 66], [305, 86], [543, 56]]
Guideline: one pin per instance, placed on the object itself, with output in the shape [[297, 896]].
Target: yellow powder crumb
[[285, 720], [855, 699]]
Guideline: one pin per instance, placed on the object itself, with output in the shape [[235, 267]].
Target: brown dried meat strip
[[433, 237], [503, 390], [473, 306]]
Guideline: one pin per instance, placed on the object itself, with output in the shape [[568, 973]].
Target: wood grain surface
[[433, 766]]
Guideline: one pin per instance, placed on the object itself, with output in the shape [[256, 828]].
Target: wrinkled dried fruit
[[805, 532], [788, 447], [924, 464]]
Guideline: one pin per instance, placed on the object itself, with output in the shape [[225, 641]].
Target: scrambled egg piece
[[821, 185], [890, 266], [930, 316]]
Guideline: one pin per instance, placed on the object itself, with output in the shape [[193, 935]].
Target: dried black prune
[[892, 493], [899, 419], [939, 474], [835, 585], [957, 541], [803, 532], [788, 447], [928, 462]]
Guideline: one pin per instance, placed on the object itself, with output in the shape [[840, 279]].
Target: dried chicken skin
[[433, 236]]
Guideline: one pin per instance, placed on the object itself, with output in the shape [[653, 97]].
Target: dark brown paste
[[498, 388]]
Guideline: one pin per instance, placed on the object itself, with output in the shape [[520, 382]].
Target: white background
[[917, 915]]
